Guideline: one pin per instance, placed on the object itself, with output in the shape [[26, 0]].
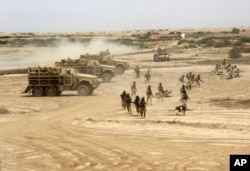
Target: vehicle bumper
[[95, 85]]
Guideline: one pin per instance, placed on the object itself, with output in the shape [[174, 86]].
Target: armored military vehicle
[[105, 58], [51, 81], [90, 66], [161, 55]]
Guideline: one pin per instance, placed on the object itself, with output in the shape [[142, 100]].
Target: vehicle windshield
[[110, 57], [76, 71]]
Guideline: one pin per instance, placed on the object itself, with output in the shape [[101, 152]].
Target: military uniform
[[149, 94], [161, 91]]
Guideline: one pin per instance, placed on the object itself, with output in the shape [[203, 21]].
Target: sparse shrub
[[136, 35], [235, 31], [147, 35], [123, 41], [192, 45], [223, 43], [208, 41], [199, 33], [245, 50], [185, 41], [241, 42], [4, 37], [181, 42], [244, 39], [235, 53], [19, 42], [3, 42], [144, 36]]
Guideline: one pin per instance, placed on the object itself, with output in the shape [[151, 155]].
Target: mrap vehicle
[[51, 81], [105, 58], [89, 66]]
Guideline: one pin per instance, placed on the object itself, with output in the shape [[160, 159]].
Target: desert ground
[[71, 132]]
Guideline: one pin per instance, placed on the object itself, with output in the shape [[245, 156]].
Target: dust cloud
[[46, 56]]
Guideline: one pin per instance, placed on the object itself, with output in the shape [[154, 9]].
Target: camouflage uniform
[[147, 76], [133, 89], [128, 103], [137, 103], [143, 106], [161, 91], [137, 71], [123, 98], [149, 94]]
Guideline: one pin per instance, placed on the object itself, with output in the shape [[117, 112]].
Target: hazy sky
[[111, 15]]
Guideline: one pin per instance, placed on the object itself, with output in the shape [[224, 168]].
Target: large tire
[[37, 91], [156, 58], [83, 90], [119, 70], [106, 78], [50, 91], [59, 93]]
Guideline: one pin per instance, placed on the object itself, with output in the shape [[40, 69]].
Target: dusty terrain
[[94, 133]]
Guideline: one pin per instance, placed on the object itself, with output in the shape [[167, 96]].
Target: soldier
[[161, 91], [149, 94], [137, 103], [188, 85], [198, 80], [237, 72], [183, 90], [184, 98], [192, 78], [147, 76], [123, 99], [224, 62], [143, 107], [217, 68], [181, 108], [137, 71], [181, 79], [128, 103], [184, 95], [133, 89]]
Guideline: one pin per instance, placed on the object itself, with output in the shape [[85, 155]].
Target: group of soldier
[[140, 103], [188, 81], [147, 75], [231, 71]]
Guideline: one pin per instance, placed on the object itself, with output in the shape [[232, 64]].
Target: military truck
[[90, 66], [161, 55], [51, 81], [105, 58]]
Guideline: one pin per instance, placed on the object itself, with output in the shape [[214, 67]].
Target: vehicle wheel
[[106, 78], [119, 70], [156, 58], [59, 93], [37, 91], [50, 91], [83, 90]]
